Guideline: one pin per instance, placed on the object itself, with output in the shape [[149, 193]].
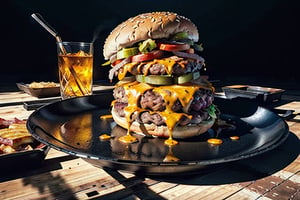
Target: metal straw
[[53, 32], [49, 28]]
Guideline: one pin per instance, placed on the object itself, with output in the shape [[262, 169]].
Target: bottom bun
[[162, 131]]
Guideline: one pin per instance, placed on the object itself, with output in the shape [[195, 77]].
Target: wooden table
[[272, 175]]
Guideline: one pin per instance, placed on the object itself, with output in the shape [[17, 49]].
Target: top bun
[[154, 25]]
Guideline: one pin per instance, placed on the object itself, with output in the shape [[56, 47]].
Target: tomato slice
[[146, 56], [173, 47], [116, 62]]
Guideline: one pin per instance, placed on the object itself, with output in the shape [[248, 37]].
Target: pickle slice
[[198, 47], [186, 77], [180, 36], [126, 52], [167, 79], [155, 79], [147, 46]]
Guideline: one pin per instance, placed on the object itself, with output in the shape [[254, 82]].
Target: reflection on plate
[[39, 92], [74, 126]]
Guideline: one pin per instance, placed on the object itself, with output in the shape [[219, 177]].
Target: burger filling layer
[[171, 65], [188, 104]]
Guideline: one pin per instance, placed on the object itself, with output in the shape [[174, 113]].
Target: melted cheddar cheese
[[184, 93]]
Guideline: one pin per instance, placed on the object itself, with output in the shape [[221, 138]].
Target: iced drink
[[75, 71]]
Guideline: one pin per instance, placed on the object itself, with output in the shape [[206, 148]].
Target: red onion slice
[[189, 55], [117, 67]]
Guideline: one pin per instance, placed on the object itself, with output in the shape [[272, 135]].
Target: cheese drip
[[170, 96], [184, 93], [133, 91]]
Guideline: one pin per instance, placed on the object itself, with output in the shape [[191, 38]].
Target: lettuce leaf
[[212, 111]]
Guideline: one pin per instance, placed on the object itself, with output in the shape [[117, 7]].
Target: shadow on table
[[56, 185], [47, 166], [244, 170]]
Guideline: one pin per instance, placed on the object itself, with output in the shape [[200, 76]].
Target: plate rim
[[206, 162]]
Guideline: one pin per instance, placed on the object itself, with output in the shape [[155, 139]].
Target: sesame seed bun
[[154, 25]]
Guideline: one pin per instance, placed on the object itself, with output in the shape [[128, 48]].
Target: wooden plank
[[244, 195], [205, 192], [214, 192], [10, 112], [295, 129], [286, 190], [20, 97], [295, 178], [294, 105], [53, 153], [10, 97], [178, 192], [273, 187], [162, 186], [72, 177]]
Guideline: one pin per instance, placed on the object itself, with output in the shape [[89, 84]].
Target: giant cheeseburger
[[155, 57]]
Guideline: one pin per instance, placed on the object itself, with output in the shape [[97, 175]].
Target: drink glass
[[75, 66]]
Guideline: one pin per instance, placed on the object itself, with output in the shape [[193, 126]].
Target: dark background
[[254, 42]]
